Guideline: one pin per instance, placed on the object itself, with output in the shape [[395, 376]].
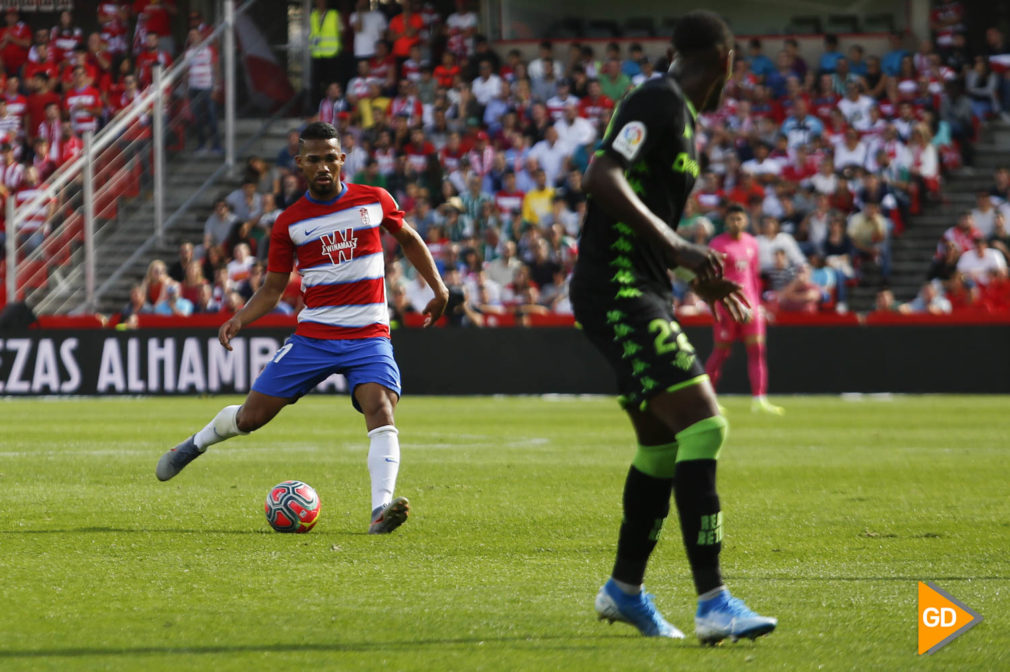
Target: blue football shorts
[[302, 363]]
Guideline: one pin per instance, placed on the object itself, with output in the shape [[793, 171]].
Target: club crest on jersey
[[340, 243], [365, 220]]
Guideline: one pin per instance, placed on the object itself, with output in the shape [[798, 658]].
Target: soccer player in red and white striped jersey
[[333, 233]]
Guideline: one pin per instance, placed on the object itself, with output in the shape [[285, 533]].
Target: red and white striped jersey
[[12, 175], [201, 67], [79, 103], [16, 104], [52, 131], [64, 41], [338, 248], [36, 218]]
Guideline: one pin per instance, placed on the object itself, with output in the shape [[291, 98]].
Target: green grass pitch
[[832, 515]]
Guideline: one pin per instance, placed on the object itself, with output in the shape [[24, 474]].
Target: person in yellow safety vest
[[324, 43]]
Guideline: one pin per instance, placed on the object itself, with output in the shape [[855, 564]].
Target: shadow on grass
[[556, 642], [134, 530], [920, 577], [145, 530]]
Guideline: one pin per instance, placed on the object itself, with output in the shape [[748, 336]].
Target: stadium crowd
[[59, 81], [485, 152]]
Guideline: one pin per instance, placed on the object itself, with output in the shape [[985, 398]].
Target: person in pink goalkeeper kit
[[742, 267]]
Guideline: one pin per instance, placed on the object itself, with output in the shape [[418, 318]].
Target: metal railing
[[52, 232]]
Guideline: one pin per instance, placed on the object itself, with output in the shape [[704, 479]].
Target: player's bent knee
[[703, 440]]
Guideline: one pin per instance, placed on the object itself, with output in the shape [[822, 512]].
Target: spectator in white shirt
[[536, 66], [981, 261], [771, 239], [573, 130], [356, 159], [851, 153], [929, 300], [369, 27], [984, 214], [238, 268], [550, 153], [556, 104], [855, 107], [245, 202], [762, 167], [487, 86], [825, 181], [545, 86]]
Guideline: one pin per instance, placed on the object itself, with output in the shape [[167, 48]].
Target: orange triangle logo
[[942, 618]]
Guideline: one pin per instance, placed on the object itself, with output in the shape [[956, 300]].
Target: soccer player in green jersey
[[638, 184]]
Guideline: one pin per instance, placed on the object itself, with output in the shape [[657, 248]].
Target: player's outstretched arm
[[419, 256], [262, 302], [606, 183]]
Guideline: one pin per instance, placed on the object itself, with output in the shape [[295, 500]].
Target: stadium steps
[[912, 252], [133, 225]]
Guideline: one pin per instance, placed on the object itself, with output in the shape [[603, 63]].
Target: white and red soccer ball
[[292, 506]]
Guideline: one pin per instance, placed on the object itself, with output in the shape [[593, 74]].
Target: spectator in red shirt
[[595, 103], [150, 56], [41, 96], [65, 37], [155, 16], [98, 56], [17, 104], [446, 72], [418, 150], [962, 234], [404, 31], [746, 189], [41, 38], [41, 160], [51, 128], [509, 200], [79, 58], [72, 146], [45, 63], [453, 152], [801, 168], [83, 102], [124, 98], [15, 39], [380, 65], [112, 20]]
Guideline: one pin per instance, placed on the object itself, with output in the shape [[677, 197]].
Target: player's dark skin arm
[[419, 256], [606, 183], [262, 302]]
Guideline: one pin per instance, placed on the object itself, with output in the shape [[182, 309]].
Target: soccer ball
[[292, 506]]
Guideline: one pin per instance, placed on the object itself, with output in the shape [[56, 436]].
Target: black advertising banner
[[801, 360], [155, 362]]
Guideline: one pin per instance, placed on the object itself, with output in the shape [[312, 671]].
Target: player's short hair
[[699, 32], [319, 130], [735, 209]]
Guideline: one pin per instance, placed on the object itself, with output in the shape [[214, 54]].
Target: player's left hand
[[727, 293], [435, 308]]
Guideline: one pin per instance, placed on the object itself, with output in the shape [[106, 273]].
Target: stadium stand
[[853, 164]]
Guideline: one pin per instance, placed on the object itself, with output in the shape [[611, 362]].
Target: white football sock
[[223, 426], [383, 463]]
